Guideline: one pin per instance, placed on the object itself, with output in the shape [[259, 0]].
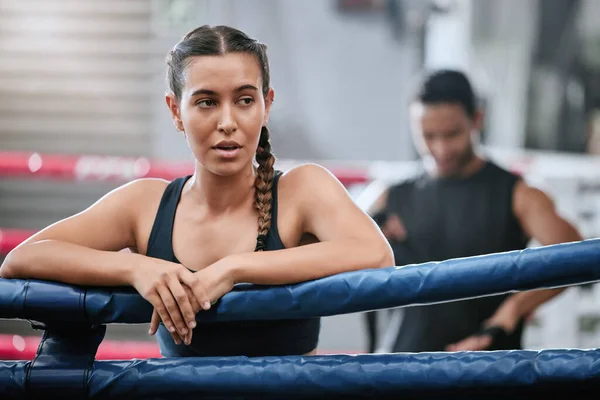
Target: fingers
[[483, 343], [195, 305], [393, 228], [171, 311], [453, 347], [390, 233], [191, 282], [154, 322], [173, 304], [396, 227], [188, 339], [177, 339], [160, 309], [196, 308], [473, 343], [183, 303], [181, 306]]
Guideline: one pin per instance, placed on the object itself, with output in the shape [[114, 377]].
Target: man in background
[[462, 205]]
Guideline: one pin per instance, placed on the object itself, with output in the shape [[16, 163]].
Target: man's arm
[[538, 217]]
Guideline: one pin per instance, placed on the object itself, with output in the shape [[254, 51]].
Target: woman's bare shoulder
[[307, 177], [136, 193], [145, 186]]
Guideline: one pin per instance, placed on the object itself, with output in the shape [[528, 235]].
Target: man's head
[[444, 119]]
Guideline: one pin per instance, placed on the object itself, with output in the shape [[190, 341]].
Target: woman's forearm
[[309, 262], [69, 263]]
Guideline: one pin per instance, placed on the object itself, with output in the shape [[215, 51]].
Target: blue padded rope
[[498, 374], [543, 267]]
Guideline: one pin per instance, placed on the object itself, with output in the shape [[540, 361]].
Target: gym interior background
[[86, 77]]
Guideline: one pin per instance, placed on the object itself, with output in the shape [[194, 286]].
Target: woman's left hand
[[216, 280]]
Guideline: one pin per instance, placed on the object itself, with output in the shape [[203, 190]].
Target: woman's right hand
[[170, 288]]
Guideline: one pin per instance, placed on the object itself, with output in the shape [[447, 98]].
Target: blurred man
[[463, 205]]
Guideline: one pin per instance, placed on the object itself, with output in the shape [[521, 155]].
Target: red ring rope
[[11, 238], [16, 347], [107, 168]]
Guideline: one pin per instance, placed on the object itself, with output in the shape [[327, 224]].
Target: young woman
[[193, 238]]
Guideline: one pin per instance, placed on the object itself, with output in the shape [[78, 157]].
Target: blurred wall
[[502, 41], [74, 75], [74, 78]]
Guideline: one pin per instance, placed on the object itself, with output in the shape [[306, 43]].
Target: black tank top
[[221, 339], [451, 218]]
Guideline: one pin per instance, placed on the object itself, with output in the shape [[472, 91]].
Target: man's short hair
[[448, 86]]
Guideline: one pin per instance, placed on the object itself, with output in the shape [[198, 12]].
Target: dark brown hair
[[448, 86], [219, 40]]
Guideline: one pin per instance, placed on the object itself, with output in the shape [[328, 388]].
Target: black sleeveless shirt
[[449, 218], [222, 339]]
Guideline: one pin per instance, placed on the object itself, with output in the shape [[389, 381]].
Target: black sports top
[[216, 339]]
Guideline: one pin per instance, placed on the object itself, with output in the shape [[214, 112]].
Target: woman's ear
[[268, 102], [173, 105]]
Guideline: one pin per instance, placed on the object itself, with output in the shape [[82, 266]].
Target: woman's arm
[[84, 250], [81, 249], [348, 240]]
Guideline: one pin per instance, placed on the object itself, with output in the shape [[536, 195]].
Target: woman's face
[[222, 110]]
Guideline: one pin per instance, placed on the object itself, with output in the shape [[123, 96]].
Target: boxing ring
[[74, 320]]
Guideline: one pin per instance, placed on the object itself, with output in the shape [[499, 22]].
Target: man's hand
[[472, 343], [506, 317], [393, 228]]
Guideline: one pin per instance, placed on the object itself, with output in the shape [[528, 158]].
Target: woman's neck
[[221, 194]]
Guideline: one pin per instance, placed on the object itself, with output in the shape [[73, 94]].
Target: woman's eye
[[206, 103]]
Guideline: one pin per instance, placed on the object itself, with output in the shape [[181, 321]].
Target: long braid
[[263, 185]]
